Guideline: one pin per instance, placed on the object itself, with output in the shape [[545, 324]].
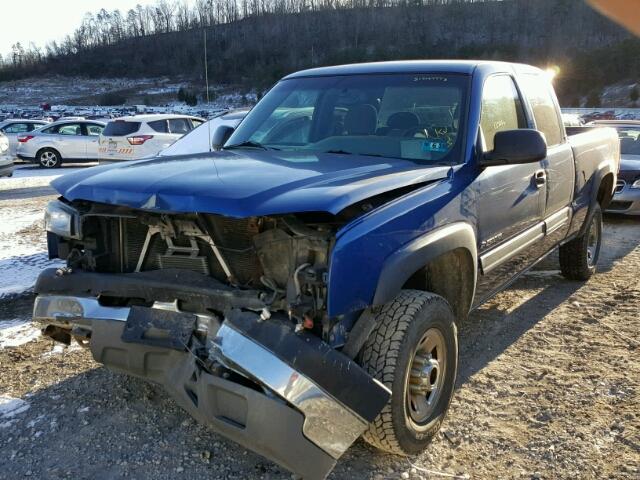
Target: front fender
[[364, 247], [400, 266]]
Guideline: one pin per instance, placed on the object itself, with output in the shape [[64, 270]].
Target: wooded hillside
[[254, 42]]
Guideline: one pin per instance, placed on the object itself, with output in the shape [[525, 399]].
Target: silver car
[[626, 199], [6, 160], [13, 128], [64, 140]]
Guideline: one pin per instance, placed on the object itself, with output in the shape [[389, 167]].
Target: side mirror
[[220, 136], [512, 147]]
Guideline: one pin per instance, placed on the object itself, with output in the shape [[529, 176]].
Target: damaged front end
[[229, 315]]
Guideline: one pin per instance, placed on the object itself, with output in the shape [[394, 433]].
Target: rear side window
[[120, 128], [159, 126], [179, 125], [539, 92], [501, 108], [94, 130], [70, 129], [17, 128]]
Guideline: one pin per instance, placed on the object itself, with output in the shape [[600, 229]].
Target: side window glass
[[179, 125], [538, 91], [17, 128], [71, 129], [501, 108], [94, 130], [159, 126]]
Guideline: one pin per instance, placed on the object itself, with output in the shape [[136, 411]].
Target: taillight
[[139, 139], [24, 138]]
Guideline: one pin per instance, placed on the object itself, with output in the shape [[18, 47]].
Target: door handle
[[540, 178]]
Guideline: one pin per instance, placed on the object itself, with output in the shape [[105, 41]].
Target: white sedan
[[15, 127], [75, 140]]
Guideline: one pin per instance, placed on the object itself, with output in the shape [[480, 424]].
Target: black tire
[[388, 356], [578, 258], [48, 158]]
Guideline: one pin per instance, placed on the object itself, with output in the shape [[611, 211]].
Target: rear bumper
[[309, 403]]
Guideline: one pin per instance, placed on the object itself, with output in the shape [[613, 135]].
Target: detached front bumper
[[302, 404]]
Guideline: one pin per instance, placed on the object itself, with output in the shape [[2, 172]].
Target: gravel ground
[[548, 388]]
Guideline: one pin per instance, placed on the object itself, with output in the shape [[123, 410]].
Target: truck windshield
[[417, 117]]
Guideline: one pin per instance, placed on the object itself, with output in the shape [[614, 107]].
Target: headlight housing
[[63, 220], [636, 184]]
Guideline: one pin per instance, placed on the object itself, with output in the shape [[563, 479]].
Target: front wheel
[[413, 350], [49, 158], [578, 258]]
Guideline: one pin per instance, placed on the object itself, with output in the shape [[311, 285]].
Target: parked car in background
[[13, 128], [143, 136], [200, 140], [572, 120], [626, 199], [6, 159], [64, 140], [302, 286]]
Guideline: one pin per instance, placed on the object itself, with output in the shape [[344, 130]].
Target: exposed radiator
[[233, 237]]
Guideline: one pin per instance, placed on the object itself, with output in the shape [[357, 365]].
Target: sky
[[41, 21]]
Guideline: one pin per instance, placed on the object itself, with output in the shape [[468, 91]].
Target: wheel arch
[[48, 148], [443, 262], [601, 194], [605, 190]]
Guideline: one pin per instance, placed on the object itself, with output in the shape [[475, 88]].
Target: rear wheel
[[49, 158], [578, 258], [414, 351]]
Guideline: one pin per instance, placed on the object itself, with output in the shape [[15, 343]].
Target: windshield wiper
[[250, 144]]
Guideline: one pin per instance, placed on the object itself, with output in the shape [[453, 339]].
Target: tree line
[[254, 42]]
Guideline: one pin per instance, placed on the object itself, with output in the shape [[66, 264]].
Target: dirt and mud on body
[[548, 387]]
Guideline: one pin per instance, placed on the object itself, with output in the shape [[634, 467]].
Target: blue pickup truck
[[301, 287]]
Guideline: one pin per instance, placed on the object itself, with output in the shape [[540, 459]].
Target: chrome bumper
[[328, 423]]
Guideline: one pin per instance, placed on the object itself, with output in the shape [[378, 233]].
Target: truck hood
[[243, 183]]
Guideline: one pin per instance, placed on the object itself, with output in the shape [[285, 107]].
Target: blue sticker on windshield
[[434, 146]]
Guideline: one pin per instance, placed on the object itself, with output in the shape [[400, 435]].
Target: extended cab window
[[501, 108], [538, 91], [417, 117]]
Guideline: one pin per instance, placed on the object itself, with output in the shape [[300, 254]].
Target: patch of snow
[[14, 333], [59, 349], [23, 256], [9, 408]]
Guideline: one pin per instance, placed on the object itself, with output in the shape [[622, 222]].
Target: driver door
[[510, 198]]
